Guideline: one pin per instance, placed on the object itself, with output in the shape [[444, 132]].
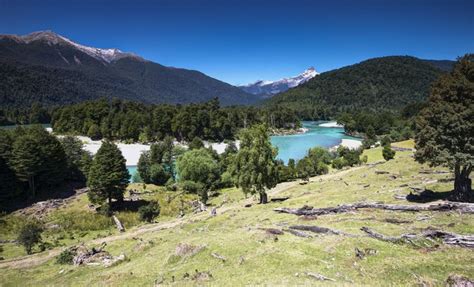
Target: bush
[[66, 257], [29, 236], [339, 163], [388, 153], [149, 212]]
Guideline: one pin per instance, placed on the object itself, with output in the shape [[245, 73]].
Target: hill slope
[[387, 83], [254, 256], [51, 69]]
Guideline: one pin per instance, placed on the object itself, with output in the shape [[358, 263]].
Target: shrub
[[149, 212], [29, 236], [66, 257], [388, 153], [339, 163]]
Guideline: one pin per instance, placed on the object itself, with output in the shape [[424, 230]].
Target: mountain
[[50, 69], [445, 65], [267, 89], [387, 83]]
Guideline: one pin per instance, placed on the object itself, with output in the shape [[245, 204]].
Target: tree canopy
[[445, 128], [254, 167]]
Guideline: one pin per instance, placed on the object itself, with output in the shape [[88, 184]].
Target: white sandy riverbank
[[331, 125]]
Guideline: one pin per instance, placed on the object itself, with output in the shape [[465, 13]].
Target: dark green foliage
[[66, 257], [38, 159], [8, 184], [387, 83], [388, 153], [149, 212], [133, 121], [78, 160], [346, 157], [314, 163], [196, 143], [29, 236], [143, 167], [445, 128], [254, 167], [158, 175], [108, 175], [199, 167]]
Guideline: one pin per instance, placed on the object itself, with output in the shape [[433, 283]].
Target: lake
[[297, 146]]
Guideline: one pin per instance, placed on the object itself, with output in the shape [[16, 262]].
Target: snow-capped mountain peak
[[270, 88], [105, 55]]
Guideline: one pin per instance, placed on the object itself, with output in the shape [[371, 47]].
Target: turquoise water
[[132, 170], [11, 127], [297, 146]]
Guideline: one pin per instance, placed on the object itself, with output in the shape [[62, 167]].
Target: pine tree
[[254, 168], [445, 128], [108, 175]]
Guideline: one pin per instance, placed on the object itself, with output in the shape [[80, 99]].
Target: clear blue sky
[[242, 41]]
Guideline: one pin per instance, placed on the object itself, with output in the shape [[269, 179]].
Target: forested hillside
[[47, 68], [388, 83]]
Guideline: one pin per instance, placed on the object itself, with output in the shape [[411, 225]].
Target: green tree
[[196, 143], [198, 166], [29, 236], [445, 128], [38, 159], [143, 166], [388, 153], [77, 158], [94, 132], [254, 168], [108, 175], [158, 174], [8, 183]]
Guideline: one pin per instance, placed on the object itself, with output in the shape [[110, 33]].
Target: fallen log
[[443, 206], [448, 238], [317, 229], [118, 224], [298, 233], [319, 276], [279, 199], [218, 256]]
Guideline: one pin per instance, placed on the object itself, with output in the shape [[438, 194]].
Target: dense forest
[[44, 67], [380, 84], [145, 123]]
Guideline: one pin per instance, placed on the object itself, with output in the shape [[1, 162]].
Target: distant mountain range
[[51, 69], [387, 83], [267, 89]]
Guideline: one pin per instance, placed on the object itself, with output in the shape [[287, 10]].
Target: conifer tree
[[108, 175]]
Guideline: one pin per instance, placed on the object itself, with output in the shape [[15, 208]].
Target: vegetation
[[388, 153], [149, 212], [199, 172], [254, 167], [147, 123], [108, 175], [445, 127], [379, 84], [29, 236]]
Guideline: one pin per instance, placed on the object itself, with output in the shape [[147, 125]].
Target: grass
[[254, 257]]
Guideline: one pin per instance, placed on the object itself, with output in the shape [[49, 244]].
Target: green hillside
[[239, 246], [387, 83]]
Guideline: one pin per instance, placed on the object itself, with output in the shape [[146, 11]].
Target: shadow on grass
[[129, 205], [428, 196]]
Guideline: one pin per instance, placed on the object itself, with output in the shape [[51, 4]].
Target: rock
[[459, 281]]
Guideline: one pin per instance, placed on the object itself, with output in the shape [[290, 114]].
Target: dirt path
[[40, 258]]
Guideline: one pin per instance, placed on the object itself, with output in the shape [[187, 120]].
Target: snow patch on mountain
[[271, 88], [51, 38]]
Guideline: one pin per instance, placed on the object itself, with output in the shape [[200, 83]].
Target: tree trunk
[[31, 185], [263, 197], [462, 184]]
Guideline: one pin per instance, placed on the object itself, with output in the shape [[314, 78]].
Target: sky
[[244, 41]]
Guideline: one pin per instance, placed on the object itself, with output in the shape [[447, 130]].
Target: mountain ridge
[[267, 89], [49, 68]]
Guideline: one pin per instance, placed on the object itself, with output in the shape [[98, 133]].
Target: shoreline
[[332, 124]]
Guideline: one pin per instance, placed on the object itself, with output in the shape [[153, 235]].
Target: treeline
[[120, 120], [36, 114], [33, 162]]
